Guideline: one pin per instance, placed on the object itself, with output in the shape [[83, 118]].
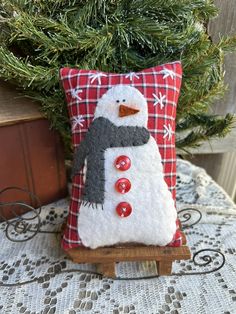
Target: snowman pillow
[[124, 161]]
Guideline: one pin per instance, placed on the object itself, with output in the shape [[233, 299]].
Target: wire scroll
[[20, 228], [23, 228], [189, 217]]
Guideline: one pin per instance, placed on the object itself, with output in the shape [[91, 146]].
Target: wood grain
[[107, 269], [15, 108], [106, 257], [225, 24], [32, 158], [184, 240], [221, 165], [142, 253], [164, 268]]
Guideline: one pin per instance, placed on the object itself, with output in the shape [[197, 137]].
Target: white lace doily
[[196, 189], [47, 282]]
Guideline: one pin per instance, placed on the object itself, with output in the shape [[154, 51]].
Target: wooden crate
[[106, 257], [31, 155]]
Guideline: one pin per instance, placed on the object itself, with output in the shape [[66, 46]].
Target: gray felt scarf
[[101, 135]]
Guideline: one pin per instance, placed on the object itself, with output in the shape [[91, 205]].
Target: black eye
[[124, 100], [117, 101]]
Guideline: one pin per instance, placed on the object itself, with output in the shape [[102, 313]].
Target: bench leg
[[107, 269], [164, 267]]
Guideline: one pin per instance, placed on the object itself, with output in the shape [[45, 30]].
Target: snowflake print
[[159, 100], [74, 93], [96, 76], [167, 73], [132, 75], [168, 132], [77, 121]]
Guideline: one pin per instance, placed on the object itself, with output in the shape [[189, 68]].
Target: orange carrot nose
[[127, 111]]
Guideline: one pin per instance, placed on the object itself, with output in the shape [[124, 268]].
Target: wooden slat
[[15, 113], [15, 109], [225, 25], [184, 240], [147, 253], [107, 269], [221, 165], [164, 268]]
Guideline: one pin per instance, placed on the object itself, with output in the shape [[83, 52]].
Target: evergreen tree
[[40, 36]]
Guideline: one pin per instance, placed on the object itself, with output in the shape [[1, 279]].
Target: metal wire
[[187, 214], [20, 225], [24, 227], [207, 260]]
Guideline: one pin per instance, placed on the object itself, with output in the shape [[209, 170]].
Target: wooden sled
[[106, 257]]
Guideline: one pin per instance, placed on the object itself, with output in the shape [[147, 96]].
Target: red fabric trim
[[82, 91]]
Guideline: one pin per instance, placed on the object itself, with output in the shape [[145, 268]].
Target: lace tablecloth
[[37, 277]]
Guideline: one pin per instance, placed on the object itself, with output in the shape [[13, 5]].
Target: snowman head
[[123, 105]]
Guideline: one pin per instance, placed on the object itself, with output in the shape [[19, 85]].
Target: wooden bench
[[106, 257]]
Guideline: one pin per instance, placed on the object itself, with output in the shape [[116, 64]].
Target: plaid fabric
[[160, 86]]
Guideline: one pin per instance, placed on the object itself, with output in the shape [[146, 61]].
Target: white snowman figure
[[126, 198]]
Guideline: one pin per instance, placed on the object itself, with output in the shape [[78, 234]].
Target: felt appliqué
[[153, 216], [92, 94], [102, 135]]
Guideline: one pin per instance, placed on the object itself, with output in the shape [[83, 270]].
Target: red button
[[123, 185], [122, 163], [124, 209]]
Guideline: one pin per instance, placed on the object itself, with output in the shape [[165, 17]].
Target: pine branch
[[203, 120], [90, 13], [228, 44], [39, 37], [198, 99], [44, 7], [49, 38], [24, 74], [202, 81], [203, 128]]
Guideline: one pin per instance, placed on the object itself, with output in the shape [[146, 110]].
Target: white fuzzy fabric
[[108, 107], [153, 217]]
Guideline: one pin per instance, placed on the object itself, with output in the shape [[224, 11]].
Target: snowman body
[[137, 207]]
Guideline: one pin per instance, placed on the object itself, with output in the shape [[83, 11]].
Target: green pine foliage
[[38, 37]]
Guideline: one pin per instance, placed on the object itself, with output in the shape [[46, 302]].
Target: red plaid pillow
[[160, 86]]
